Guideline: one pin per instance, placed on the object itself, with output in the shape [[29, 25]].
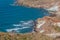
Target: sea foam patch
[[21, 26], [15, 29], [24, 23]]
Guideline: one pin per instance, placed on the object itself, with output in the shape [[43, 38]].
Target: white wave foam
[[14, 4], [16, 24], [15, 29], [25, 23]]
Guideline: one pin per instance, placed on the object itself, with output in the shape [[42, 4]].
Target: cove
[[18, 18]]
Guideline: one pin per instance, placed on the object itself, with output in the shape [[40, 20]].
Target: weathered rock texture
[[50, 25]]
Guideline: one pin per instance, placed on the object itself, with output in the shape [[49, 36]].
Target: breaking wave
[[22, 25], [15, 29]]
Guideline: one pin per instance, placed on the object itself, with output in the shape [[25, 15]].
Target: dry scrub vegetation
[[37, 3], [30, 36]]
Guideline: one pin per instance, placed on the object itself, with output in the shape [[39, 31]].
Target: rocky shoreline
[[47, 24], [46, 28], [53, 6]]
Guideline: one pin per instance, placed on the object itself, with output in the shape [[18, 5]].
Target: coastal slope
[[37, 3]]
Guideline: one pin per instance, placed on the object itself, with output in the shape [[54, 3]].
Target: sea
[[19, 19]]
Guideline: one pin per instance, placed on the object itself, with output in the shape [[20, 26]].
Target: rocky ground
[[30, 36]]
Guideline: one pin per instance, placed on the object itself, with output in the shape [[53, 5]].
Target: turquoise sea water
[[18, 18]]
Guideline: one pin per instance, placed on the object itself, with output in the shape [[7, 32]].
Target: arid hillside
[[30, 36], [37, 3]]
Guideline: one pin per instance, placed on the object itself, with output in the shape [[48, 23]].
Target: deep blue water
[[18, 18]]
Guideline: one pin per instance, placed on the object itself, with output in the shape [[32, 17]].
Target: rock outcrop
[[47, 24]]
